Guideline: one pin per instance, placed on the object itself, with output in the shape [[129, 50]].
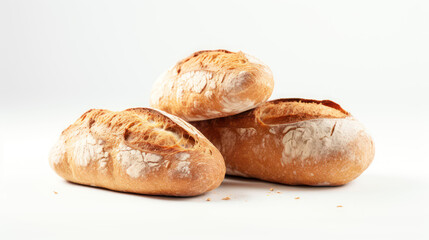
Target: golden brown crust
[[212, 84], [283, 111], [292, 141], [138, 150]]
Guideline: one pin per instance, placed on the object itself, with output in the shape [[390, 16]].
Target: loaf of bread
[[292, 141], [212, 84], [138, 150]]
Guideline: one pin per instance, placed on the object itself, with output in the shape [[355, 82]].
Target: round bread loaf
[[138, 150], [212, 84], [292, 141]]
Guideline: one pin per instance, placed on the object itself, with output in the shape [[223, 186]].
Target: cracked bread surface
[[139, 150], [293, 141], [212, 84]]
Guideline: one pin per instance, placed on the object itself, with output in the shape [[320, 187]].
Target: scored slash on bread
[[292, 141], [139, 150], [212, 84]]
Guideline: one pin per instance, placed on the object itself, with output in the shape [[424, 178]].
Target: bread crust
[[212, 84], [139, 150], [293, 141]]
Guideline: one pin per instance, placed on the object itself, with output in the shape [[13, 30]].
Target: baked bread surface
[[293, 141], [139, 150], [212, 84]]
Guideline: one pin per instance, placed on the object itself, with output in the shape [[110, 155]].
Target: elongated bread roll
[[292, 141], [138, 150], [213, 84]]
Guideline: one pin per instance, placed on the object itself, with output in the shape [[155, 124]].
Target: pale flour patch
[[208, 94], [212, 85], [169, 85], [236, 84], [233, 105], [102, 164], [246, 132], [57, 152], [195, 81], [183, 169], [137, 163], [213, 113], [179, 93], [228, 139], [266, 140], [75, 133], [315, 139], [183, 156], [196, 105], [87, 149]]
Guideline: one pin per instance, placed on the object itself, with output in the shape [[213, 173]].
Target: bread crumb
[[271, 189], [55, 192], [339, 206], [226, 198], [208, 199], [297, 198]]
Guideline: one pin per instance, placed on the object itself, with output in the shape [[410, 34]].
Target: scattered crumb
[[278, 192], [208, 199], [271, 189], [297, 198], [55, 192], [226, 198], [339, 205]]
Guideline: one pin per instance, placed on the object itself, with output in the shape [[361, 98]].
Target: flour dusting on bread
[[227, 140], [139, 150], [212, 84], [246, 132], [57, 151], [238, 83], [195, 81], [293, 141], [135, 162], [209, 94], [183, 168], [183, 156], [87, 149], [234, 104], [318, 138]]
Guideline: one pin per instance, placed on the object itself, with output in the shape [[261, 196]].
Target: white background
[[61, 58]]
